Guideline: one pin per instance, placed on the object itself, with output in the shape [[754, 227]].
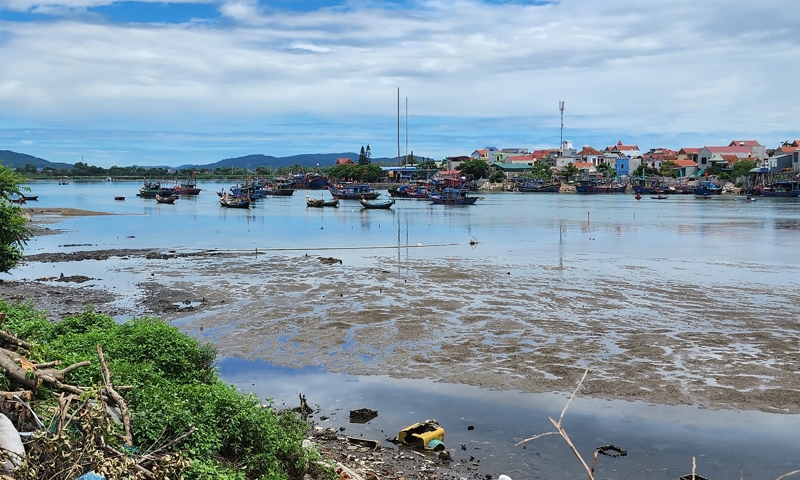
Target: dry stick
[[694, 467], [48, 364], [123, 406], [562, 413], [149, 456], [535, 437], [788, 474], [564, 435]]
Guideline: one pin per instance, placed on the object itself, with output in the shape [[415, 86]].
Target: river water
[[721, 244]]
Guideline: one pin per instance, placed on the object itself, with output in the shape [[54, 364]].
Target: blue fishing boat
[[599, 185], [539, 186], [353, 191], [786, 188], [707, 188], [453, 196]]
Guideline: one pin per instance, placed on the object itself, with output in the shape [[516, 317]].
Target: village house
[[706, 153], [344, 161], [689, 154], [590, 155], [685, 167], [756, 149], [624, 150], [489, 155]]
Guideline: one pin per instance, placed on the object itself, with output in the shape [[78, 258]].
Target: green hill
[[13, 160]]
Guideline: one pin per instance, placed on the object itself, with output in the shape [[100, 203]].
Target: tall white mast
[[561, 144]]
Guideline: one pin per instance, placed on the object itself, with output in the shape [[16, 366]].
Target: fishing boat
[[660, 197], [64, 181], [309, 181], [539, 186], [785, 188], [18, 200], [120, 197], [352, 191], [399, 191], [30, 197], [280, 189], [168, 199], [707, 188], [188, 187], [149, 189], [321, 202], [377, 205], [453, 196], [600, 185], [230, 201]]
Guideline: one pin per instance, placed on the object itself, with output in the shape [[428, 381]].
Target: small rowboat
[[660, 197], [169, 199], [119, 198], [18, 201], [377, 205], [30, 197], [234, 202]]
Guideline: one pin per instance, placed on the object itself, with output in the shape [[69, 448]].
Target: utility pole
[[561, 144]]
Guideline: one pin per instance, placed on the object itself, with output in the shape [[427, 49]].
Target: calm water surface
[[718, 241]]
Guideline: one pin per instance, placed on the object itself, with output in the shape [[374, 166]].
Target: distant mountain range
[[14, 160]]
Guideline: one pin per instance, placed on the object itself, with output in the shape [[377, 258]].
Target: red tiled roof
[[745, 143], [786, 149], [582, 165], [731, 159], [521, 158], [685, 163], [728, 150], [541, 153], [690, 151], [587, 150], [344, 161]]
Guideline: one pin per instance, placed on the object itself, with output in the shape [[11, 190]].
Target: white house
[[756, 149]]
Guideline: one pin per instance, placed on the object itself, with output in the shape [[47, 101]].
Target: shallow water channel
[[660, 440]]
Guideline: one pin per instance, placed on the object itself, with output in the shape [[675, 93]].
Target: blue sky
[[121, 83]]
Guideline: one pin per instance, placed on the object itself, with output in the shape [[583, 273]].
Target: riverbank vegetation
[[14, 232], [182, 419]]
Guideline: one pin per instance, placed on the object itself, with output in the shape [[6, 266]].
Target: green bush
[[176, 389], [497, 177]]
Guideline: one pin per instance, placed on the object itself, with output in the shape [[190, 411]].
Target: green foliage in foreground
[[14, 232], [176, 388]]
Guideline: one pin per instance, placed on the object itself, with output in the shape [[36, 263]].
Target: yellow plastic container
[[421, 434]]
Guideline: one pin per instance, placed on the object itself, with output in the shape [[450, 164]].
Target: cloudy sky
[[195, 81]]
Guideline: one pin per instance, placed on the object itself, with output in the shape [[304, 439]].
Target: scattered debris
[[428, 435], [330, 260], [372, 444], [362, 415]]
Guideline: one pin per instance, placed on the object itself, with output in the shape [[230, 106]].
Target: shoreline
[[310, 313]]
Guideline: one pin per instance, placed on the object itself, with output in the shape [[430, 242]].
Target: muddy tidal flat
[[518, 326]]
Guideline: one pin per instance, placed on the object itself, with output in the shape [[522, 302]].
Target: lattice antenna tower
[[561, 107]]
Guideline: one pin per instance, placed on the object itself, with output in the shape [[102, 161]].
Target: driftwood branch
[[788, 474], [560, 430], [121, 403], [12, 339]]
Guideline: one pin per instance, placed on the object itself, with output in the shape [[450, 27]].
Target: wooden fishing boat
[[149, 189], [707, 188], [231, 201], [377, 205], [119, 198], [188, 187], [660, 197], [18, 200], [321, 202], [453, 196], [539, 186], [599, 185], [354, 192], [779, 189], [168, 199]]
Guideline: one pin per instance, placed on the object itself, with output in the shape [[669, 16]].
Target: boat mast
[[407, 131], [398, 126]]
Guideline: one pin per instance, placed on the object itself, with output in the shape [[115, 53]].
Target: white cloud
[[61, 7], [638, 68]]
